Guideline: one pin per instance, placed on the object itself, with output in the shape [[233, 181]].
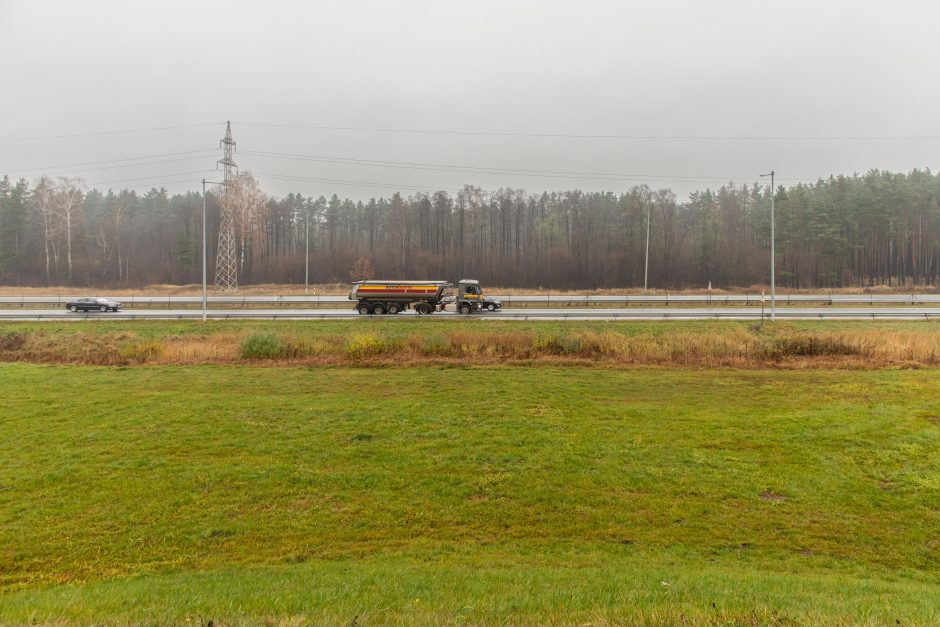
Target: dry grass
[[735, 346], [216, 348]]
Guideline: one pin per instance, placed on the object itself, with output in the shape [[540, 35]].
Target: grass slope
[[468, 495], [860, 344]]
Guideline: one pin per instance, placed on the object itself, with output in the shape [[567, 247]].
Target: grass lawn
[[245, 494]]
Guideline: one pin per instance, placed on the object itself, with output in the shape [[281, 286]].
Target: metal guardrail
[[625, 300], [885, 313]]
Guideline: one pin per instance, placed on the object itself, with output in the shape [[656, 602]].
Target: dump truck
[[425, 297]]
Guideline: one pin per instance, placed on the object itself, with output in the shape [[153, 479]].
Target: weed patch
[[361, 346], [12, 341], [262, 345], [729, 344], [141, 352]]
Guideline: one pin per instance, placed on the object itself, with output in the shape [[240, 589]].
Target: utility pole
[[773, 273], [306, 245], [649, 213], [203, 250], [226, 268]]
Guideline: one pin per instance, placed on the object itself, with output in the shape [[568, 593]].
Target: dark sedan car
[[93, 304], [491, 304]]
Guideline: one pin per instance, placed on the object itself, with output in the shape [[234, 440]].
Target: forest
[[879, 228]]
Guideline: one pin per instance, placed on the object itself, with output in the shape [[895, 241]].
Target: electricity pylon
[[226, 267]]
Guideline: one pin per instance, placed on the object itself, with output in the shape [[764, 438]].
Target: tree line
[[872, 229]]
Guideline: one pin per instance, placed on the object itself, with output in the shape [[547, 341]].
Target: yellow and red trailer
[[379, 297]]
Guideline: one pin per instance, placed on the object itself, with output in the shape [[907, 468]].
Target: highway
[[340, 300], [641, 313]]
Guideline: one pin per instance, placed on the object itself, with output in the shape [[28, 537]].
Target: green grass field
[[508, 495]]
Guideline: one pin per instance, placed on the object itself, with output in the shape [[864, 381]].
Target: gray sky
[[665, 68]]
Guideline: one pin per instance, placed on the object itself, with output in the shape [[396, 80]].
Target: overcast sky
[[663, 70]]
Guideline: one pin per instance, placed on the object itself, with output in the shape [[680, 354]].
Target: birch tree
[[43, 202], [67, 200]]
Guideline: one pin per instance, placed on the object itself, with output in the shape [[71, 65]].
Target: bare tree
[[43, 202], [67, 198], [249, 210]]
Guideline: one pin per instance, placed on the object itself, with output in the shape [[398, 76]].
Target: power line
[[599, 136], [137, 165], [466, 169], [349, 182], [141, 178], [75, 165], [488, 133], [114, 132]]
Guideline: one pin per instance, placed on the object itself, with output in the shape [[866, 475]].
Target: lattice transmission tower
[[226, 267]]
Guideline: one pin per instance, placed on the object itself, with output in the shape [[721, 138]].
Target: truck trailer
[[425, 297]]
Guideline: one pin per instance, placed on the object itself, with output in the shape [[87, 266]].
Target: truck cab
[[470, 297]]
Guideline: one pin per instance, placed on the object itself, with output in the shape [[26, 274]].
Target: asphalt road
[[340, 300], [643, 313]]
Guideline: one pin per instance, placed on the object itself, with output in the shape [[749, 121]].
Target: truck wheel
[[364, 309], [465, 309], [423, 309], [393, 308], [378, 310]]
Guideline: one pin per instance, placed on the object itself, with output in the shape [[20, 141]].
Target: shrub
[[366, 345], [12, 341], [262, 345], [548, 344]]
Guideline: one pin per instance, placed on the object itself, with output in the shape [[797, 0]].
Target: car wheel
[[73, 308], [491, 307], [103, 308]]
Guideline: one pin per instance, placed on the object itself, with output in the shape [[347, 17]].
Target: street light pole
[[773, 273], [306, 246], [204, 250], [649, 212]]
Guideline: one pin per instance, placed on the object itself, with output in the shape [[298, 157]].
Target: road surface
[[641, 313], [340, 300]]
